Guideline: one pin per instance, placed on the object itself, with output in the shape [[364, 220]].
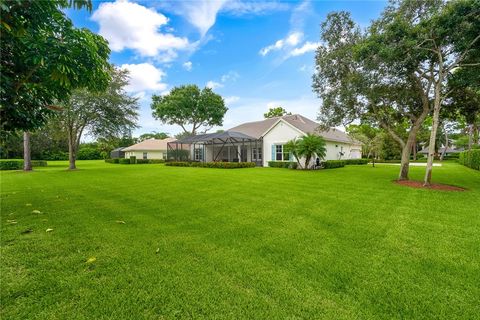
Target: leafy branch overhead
[[190, 108]]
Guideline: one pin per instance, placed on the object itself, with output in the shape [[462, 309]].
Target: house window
[[198, 154], [279, 152], [256, 154], [280, 155], [145, 155]]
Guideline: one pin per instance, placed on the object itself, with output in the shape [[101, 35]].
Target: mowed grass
[[257, 243]]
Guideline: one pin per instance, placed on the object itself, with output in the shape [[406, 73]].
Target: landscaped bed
[[161, 242]]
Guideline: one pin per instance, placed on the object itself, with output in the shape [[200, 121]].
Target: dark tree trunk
[[27, 159], [71, 152]]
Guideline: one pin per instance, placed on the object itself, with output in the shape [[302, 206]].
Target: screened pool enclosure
[[227, 146]]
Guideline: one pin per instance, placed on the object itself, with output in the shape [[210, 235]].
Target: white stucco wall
[[280, 134], [150, 154], [283, 132]]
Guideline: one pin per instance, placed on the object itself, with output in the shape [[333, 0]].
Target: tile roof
[[150, 145], [258, 128]]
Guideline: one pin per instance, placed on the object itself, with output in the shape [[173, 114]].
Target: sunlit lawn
[[256, 243]]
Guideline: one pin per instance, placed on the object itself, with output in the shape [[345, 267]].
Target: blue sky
[[255, 54]]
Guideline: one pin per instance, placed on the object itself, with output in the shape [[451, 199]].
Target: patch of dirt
[[433, 186]]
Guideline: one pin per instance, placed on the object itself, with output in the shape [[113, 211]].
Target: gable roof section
[[258, 128], [150, 145]]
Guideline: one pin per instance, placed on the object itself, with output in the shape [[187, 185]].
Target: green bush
[[133, 159], [282, 164], [221, 165], [124, 161], [470, 158], [11, 165], [452, 156], [87, 152], [142, 161], [330, 164], [153, 161], [17, 164], [355, 161], [38, 163]]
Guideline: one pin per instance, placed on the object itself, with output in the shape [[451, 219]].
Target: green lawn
[[257, 243]]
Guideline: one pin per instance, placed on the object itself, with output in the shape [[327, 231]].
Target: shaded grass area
[[260, 243]]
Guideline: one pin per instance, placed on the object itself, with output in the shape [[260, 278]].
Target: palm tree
[[311, 145], [292, 147]]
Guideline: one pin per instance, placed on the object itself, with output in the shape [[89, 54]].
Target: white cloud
[[231, 76], [306, 47], [144, 77], [292, 45], [231, 99], [188, 65], [213, 85], [130, 25], [202, 14], [239, 8], [290, 40]]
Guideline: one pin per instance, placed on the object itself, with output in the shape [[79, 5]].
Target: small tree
[[188, 105], [311, 145], [101, 114], [292, 147], [276, 112]]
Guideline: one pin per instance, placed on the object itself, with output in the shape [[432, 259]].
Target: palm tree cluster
[[307, 147]]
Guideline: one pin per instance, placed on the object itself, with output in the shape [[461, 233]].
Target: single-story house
[[149, 149], [448, 152], [117, 153], [262, 141]]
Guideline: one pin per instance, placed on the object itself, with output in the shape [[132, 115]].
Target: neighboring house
[[263, 141], [117, 153], [449, 151], [149, 149]]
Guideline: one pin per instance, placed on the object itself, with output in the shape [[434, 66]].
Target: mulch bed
[[434, 186]]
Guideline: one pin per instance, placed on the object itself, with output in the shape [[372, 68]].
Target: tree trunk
[[27, 159], [307, 161], [431, 147], [71, 152], [470, 136], [414, 149], [446, 145]]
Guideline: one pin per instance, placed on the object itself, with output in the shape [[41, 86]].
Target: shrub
[[142, 161], [38, 163], [17, 164], [155, 161], [355, 161], [452, 156], [470, 158], [282, 164], [88, 152], [330, 164], [11, 164], [222, 165], [133, 159], [124, 161]]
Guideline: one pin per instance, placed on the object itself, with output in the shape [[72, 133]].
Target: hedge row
[[133, 160], [18, 164], [282, 164], [330, 164], [470, 158], [355, 161], [221, 165]]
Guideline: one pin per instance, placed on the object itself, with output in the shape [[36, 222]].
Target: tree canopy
[[276, 112], [103, 114], [44, 57], [394, 74], [189, 106]]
